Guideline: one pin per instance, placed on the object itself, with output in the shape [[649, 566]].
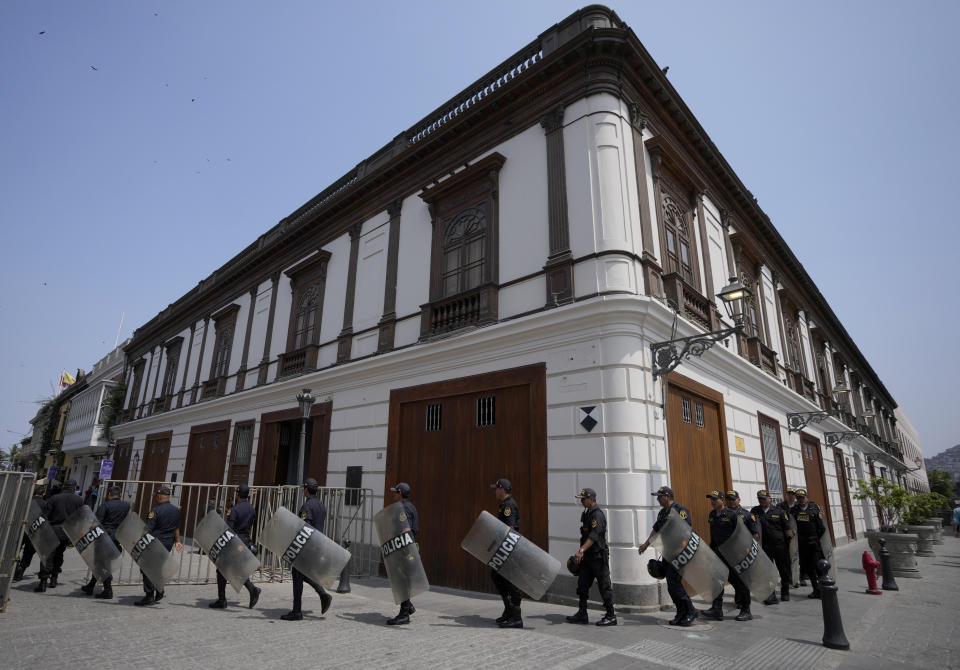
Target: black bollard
[[344, 585], [833, 635], [889, 583]]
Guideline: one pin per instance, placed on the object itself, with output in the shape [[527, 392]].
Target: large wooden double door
[[153, 468], [697, 448], [279, 443], [816, 477], [450, 441]]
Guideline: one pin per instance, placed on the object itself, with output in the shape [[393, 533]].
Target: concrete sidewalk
[[913, 628]]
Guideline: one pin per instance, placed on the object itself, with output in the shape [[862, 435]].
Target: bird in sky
[[94, 69], [42, 32]]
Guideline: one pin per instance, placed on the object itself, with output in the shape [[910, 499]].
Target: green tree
[[940, 482]]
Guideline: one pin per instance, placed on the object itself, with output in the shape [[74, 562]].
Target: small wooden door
[[698, 455], [450, 441], [845, 502], [206, 460], [153, 468], [240, 453], [121, 459], [815, 477]]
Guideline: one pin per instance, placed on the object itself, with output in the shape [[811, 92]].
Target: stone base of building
[[626, 597]]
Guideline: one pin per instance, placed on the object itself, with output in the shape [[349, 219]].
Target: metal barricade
[[349, 521], [16, 489]]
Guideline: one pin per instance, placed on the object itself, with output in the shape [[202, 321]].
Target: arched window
[[464, 239], [678, 256], [305, 319]]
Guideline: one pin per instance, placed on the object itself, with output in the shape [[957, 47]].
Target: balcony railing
[[471, 308], [692, 304], [759, 354], [298, 361], [213, 388]]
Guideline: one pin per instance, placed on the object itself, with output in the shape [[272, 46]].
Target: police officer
[[594, 559], [401, 494], [509, 513], [732, 501], [163, 522], [110, 515], [61, 505], [787, 504], [775, 539], [240, 519], [686, 612], [810, 528], [723, 523], [26, 547], [314, 512]]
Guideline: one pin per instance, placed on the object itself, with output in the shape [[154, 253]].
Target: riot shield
[[755, 569], [826, 546], [401, 555], [701, 569], [304, 547], [520, 561], [42, 536], [94, 544], [147, 552], [229, 553]]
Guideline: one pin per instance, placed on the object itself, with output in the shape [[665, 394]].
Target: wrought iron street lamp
[[305, 400], [797, 421], [668, 355]]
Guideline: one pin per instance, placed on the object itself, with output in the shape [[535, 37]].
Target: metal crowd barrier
[[349, 521], [16, 489]]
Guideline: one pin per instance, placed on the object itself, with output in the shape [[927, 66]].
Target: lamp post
[[305, 400], [668, 355], [797, 421]]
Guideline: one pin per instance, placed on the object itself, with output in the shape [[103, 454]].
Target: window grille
[[242, 446], [686, 410], [698, 407], [771, 454], [486, 411], [434, 416]]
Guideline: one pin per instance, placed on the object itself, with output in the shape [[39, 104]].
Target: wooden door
[[240, 453], [121, 459], [450, 441], [845, 502], [698, 455], [279, 429], [153, 468], [206, 460], [815, 477]]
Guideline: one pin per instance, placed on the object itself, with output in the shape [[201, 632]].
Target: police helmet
[[657, 568], [573, 566]]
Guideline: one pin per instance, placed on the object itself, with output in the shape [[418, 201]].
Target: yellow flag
[[66, 379]]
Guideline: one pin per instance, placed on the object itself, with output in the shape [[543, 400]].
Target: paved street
[[913, 628]]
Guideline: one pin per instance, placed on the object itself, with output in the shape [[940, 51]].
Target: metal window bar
[[486, 411], [771, 454], [434, 416], [16, 490], [345, 523], [698, 408], [686, 410]]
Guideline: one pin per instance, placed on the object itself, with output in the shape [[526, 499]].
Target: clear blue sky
[[204, 123]]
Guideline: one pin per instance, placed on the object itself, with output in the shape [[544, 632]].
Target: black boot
[[681, 612], [42, 586], [325, 600], [744, 615], [254, 597], [89, 586], [691, 614], [218, 604], [159, 596], [18, 573], [772, 599], [506, 610], [147, 600], [106, 593], [785, 593], [403, 616], [609, 619], [514, 621], [579, 617], [53, 582], [292, 615], [715, 612]]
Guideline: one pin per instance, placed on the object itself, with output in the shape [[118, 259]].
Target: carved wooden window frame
[[224, 328], [173, 349], [308, 282], [472, 191], [138, 369]]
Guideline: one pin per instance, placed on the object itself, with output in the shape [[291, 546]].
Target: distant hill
[[946, 461]]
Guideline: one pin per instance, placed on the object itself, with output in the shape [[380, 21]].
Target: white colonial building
[[478, 299]]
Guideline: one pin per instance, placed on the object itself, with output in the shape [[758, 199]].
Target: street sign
[[51, 473], [106, 469]]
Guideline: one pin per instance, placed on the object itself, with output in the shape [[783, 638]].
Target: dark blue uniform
[[509, 513], [58, 508], [774, 524], [413, 518], [240, 519], [810, 527], [314, 512], [722, 526], [674, 582], [595, 563], [162, 522]]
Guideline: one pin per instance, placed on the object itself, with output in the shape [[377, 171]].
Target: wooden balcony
[[298, 361], [213, 388], [809, 390], [476, 307], [692, 304], [755, 351]]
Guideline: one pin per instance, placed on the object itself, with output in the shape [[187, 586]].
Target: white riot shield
[[304, 547], [42, 536], [229, 553], [153, 559], [93, 543], [794, 553], [401, 555], [520, 561], [701, 569], [827, 547], [755, 569]]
